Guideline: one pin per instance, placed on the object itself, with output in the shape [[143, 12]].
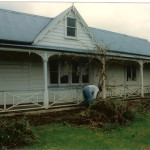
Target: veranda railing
[[123, 91], [21, 100], [62, 96]]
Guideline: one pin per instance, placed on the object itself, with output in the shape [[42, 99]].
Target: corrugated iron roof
[[20, 27], [121, 43]]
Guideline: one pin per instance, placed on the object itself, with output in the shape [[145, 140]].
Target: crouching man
[[90, 93]]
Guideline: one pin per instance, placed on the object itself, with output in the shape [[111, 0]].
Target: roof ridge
[[23, 13], [120, 34]]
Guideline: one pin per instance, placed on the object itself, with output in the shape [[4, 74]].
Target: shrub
[[131, 113], [120, 112], [16, 133]]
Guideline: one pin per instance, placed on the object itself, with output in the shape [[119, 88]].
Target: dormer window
[[71, 27]]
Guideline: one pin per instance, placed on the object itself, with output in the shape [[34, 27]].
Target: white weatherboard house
[[45, 62]]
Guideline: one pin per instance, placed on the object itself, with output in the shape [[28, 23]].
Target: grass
[[58, 136]]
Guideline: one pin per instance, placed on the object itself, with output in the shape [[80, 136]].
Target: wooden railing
[[20, 100], [34, 99], [59, 96], [125, 92]]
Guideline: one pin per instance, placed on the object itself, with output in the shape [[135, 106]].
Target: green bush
[[16, 133], [130, 113]]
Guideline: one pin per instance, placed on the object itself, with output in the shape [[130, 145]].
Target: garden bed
[[100, 113], [105, 115]]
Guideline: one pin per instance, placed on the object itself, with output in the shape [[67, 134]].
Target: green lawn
[[59, 137]]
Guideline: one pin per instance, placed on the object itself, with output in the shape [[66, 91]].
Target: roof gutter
[[127, 53], [50, 48], [11, 42], [68, 50]]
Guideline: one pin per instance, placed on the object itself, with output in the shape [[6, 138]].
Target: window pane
[[85, 79], [53, 65], [128, 73], [75, 67], [131, 73], [64, 74], [53, 72], [75, 78], [85, 74], [134, 73], [71, 22], [54, 77], [75, 72], [70, 31], [64, 79]]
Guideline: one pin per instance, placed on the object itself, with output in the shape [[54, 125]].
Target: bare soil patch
[[99, 114]]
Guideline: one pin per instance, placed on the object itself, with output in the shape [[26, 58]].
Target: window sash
[[71, 31], [71, 22], [64, 72], [54, 72], [131, 73], [71, 27], [74, 73]]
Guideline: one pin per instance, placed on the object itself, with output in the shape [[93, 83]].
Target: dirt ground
[[97, 115], [44, 118]]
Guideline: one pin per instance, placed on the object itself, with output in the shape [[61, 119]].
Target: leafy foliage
[[15, 133]]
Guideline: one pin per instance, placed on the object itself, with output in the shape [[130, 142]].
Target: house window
[[131, 73], [68, 72], [64, 72], [85, 74], [75, 72], [71, 27], [54, 72]]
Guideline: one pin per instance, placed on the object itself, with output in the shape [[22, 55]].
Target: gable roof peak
[[53, 23]]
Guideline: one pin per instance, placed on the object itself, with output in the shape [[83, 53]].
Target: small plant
[[130, 113], [143, 109], [107, 128], [16, 133]]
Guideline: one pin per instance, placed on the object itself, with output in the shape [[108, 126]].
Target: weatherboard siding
[[115, 74], [116, 79], [36, 72], [56, 37], [14, 71], [19, 71], [146, 74]]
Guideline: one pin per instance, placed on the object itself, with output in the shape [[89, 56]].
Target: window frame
[[131, 73], [70, 72], [66, 28], [51, 72], [62, 71], [84, 75]]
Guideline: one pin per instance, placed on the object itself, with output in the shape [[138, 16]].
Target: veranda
[[34, 90]]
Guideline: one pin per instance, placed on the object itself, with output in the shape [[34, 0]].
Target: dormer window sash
[[71, 27]]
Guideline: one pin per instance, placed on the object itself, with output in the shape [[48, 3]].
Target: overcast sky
[[126, 18]]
